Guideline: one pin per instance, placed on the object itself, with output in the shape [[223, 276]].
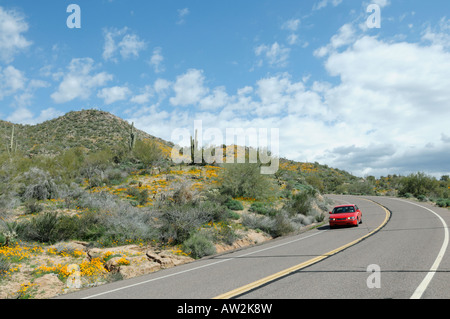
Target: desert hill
[[92, 130]]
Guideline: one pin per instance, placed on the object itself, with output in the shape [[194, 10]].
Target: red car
[[343, 215]]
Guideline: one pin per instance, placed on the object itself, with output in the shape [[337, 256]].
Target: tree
[[147, 152], [245, 180], [418, 185]]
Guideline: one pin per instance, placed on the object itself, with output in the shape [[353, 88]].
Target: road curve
[[410, 252]]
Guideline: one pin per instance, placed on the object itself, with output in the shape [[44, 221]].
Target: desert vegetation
[[91, 179], [118, 187]]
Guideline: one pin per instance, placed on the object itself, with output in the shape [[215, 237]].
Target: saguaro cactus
[[12, 140], [132, 141], [194, 147], [12, 147], [196, 152]]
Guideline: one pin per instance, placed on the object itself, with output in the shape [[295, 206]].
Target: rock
[[48, 286], [175, 260], [152, 256], [139, 266], [167, 259], [113, 265], [250, 238]]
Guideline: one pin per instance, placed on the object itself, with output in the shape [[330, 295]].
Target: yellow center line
[[263, 281]]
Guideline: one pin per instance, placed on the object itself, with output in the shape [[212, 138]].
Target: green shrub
[[418, 185], [234, 204], [184, 194], [141, 196], [259, 222], [244, 180], [67, 227], [115, 176], [41, 228], [276, 226], [177, 223], [232, 215], [38, 184], [147, 153], [198, 246], [32, 206], [90, 227], [442, 202], [282, 226], [263, 209], [5, 266], [300, 203], [422, 198], [320, 217], [127, 223]]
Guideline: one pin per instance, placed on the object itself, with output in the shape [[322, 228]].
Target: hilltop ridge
[[90, 129]]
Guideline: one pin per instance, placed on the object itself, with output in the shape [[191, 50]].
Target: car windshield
[[344, 209]]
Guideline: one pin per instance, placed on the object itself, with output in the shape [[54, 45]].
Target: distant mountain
[[89, 129]]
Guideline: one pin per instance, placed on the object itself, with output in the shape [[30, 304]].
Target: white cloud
[[217, 99], [324, 3], [114, 94], [130, 46], [291, 25], [26, 97], [189, 88], [161, 86], [23, 115], [110, 46], [144, 97], [182, 14], [14, 83], [79, 81], [345, 36], [11, 81], [276, 55], [292, 39], [156, 60], [439, 37], [381, 3], [396, 96], [12, 26], [121, 41]]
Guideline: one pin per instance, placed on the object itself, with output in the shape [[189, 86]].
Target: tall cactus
[[194, 147], [196, 152], [12, 140], [132, 141], [12, 148]]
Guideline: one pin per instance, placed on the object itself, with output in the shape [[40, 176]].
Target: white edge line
[[200, 267], [426, 281]]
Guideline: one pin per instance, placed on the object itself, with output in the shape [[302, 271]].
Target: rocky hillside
[[90, 129]]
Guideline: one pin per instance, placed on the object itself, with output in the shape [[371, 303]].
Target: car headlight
[[351, 218]]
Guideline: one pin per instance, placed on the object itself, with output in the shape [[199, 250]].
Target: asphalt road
[[399, 252]]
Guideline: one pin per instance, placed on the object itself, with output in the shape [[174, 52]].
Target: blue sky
[[373, 101]]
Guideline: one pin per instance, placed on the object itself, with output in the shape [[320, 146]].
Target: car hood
[[343, 215]]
